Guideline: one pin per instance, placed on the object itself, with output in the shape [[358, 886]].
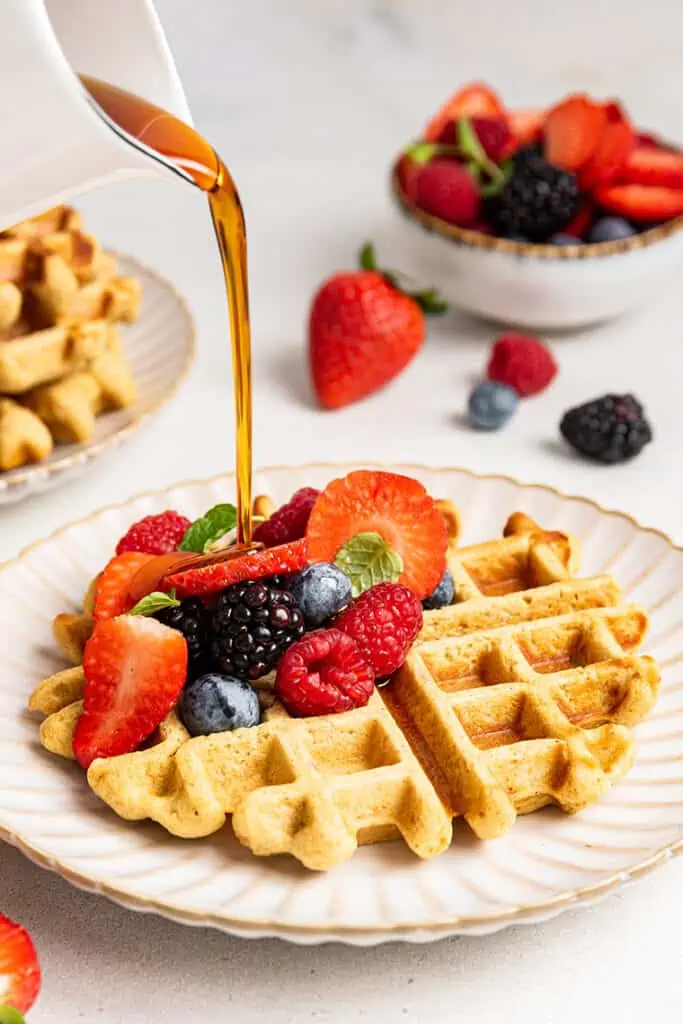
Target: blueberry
[[491, 405], [443, 595], [321, 590], [610, 229], [214, 703], [560, 239]]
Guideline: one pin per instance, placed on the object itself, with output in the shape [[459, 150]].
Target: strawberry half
[[573, 130], [398, 508], [135, 669], [475, 100], [647, 165], [612, 151], [19, 967], [208, 579], [112, 596], [642, 203]]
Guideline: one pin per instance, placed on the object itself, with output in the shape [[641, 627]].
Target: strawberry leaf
[[367, 560], [367, 258], [422, 152], [211, 527], [8, 1015], [154, 602]]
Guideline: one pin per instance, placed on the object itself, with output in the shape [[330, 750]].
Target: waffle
[[65, 411], [523, 693]]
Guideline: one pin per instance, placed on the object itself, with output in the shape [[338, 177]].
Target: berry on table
[[288, 522], [217, 703], [210, 578], [491, 405], [610, 229], [134, 668], [609, 429], [252, 625], [324, 673], [384, 622], [397, 508], [443, 595], [321, 591], [189, 618], [19, 967], [537, 200], [156, 534], [523, 363], [446, 189], [364, 329]]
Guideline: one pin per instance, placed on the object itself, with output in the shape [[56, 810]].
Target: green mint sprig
[[367, 559], [151, 604], [206, 530]]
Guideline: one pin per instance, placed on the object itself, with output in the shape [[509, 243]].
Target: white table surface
[[307, 102]]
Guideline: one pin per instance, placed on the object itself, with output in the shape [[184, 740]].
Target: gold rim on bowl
[[250, 927]]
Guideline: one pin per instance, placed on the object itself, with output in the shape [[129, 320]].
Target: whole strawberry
[[363, 330]]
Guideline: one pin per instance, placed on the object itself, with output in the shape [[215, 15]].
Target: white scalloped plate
[[159, 347], [548, 862]]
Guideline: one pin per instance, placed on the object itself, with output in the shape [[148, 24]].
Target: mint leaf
[[8, 1015], [154, 602], [211, 527], [367, 560]]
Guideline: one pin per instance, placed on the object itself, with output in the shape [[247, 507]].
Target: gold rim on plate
[[250, 927], [84, 453]]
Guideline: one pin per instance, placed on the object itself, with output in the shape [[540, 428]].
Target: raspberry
[[322, 674], [290, 521], [447, 190], [155, 535], [384, 622], [523, 363]]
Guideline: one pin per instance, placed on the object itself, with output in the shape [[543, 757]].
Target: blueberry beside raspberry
[[491, 405], [443, 595], [321, 591]]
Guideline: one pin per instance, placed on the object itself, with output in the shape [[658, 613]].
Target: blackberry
[[610, 429], [252, 625], [190, 619], [537, 200]]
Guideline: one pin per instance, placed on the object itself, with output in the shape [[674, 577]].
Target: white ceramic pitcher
[[54, 140]]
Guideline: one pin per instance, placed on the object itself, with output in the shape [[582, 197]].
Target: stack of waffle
[[521, 694], [61, 359]]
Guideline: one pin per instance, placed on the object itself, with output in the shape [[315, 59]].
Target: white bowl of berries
[[552, 219]]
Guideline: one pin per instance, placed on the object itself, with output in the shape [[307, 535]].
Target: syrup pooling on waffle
[[521, 694]]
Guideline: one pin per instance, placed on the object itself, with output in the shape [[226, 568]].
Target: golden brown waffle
[[66, 410], [522, 694]]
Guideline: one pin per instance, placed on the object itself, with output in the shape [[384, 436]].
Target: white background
[[308, 101]]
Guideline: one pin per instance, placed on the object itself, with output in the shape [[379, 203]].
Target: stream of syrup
[[183, 147]]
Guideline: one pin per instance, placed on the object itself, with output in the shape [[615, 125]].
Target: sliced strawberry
[[475, 100], [526, 125], [396, 507], [572, 131], [208, 579], [581, 222], [19, 967], [612, 151], [649, 166], [112, 594], [641, 202], [135, 669]]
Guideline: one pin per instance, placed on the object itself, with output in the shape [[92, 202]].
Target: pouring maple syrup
[[197, 161]]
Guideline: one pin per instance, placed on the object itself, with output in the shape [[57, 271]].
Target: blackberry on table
[[252, 625], [537, 200], [190, 619], [609, 429]]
